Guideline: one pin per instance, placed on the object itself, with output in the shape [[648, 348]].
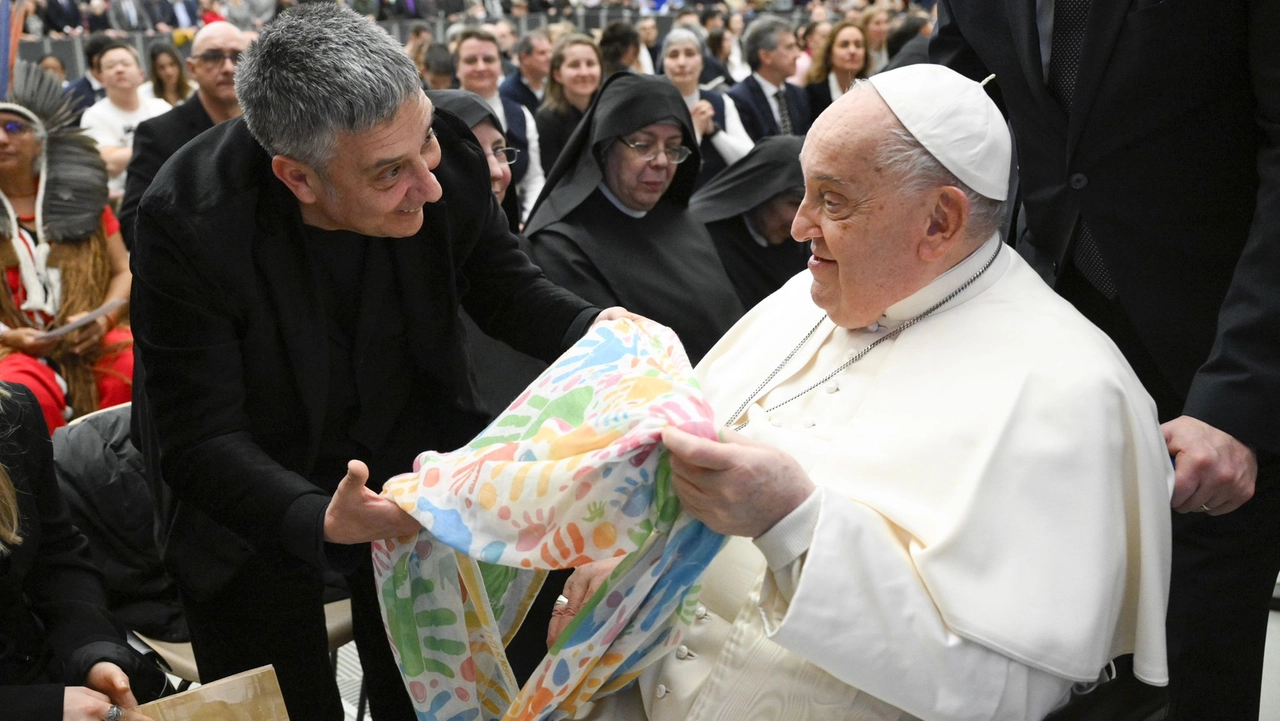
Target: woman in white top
[[169, 80], [722, 139]]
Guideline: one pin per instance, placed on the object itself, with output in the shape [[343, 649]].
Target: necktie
[[1069, 17], [784, 113], [132, 13]]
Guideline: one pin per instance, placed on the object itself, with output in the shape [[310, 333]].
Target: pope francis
[[948, 491]]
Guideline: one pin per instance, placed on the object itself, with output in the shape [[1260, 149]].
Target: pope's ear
[[948, 220], [300, 178]]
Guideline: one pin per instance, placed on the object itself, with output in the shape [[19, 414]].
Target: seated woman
[[168, 75], [64, 258], [748, 209], [612, 224], [840, 61], [722, 139], [62, 655], [571, 86]]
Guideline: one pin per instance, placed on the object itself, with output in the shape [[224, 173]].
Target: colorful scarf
[[572, 472]]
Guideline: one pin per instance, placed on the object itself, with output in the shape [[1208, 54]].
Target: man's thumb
[[357, 473]]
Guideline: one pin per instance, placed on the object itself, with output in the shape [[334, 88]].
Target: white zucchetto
[[954, 120]]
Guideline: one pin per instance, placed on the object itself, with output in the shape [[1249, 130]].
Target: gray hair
[[762, 35], [318, 70], [678, 36], [524, 46], [904, 158]]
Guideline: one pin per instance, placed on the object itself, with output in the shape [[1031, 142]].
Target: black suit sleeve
[[148, 155], [1238, 389], [190, 340], [750, 119]]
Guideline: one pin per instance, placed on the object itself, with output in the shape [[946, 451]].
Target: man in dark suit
[[298, 274], [1150, 182], [767, 103], [175, 14], [412, 9], [63, 16], [130, 16], [525, 86], [214, 53]]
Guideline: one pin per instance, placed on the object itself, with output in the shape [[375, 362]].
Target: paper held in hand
[[82, 321], [249, 696]]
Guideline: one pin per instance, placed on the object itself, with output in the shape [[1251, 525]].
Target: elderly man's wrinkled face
[[865, 232], [637, 169], [379, 180]]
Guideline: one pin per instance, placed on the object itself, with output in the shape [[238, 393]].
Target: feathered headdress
[[73, 175]]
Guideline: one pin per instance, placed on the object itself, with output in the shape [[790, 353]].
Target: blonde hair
[[9, 518]]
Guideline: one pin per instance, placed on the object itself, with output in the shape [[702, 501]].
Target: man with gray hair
[[768, 104], [947, 490], [299, 275]]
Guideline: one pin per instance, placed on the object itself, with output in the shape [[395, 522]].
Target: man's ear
[[300, 179], [948, 218]]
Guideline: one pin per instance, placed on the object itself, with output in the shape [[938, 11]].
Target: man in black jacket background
[[215, 51], [298, 275], [1150, 181]]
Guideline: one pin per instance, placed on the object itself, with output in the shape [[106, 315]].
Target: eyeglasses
[[218, 57], [648, 152], [506, 156], [15, 127]]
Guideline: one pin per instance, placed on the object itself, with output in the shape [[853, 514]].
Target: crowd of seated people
[[662, 165]]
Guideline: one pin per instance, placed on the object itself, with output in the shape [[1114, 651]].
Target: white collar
[[769, 88], [834, 86], [618, 203], [946, 284], [495, 103]]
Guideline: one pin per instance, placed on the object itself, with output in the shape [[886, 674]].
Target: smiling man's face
[[866, 232], [378, 181]]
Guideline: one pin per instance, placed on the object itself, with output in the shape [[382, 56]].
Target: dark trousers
[[1224, 567], [272, 612], [1224, 571]]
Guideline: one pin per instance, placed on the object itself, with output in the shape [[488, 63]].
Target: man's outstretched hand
[[358, 515]]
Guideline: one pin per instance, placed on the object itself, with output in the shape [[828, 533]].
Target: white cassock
[[991, 524]]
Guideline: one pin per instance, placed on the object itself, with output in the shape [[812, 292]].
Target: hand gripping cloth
[[572, 472]]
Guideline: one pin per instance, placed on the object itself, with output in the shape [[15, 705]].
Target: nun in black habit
[[748, 209], [613, 226]]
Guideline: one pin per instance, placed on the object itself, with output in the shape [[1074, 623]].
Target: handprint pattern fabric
[[573, 471]]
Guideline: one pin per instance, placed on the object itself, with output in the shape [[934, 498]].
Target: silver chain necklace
[[857, 357]]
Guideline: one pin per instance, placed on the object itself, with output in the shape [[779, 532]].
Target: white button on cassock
[[809, 424], [833, 387], [873, 327], [682, 652], [661, 690], [777, 422], [700, 612]]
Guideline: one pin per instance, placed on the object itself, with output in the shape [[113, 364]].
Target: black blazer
[[81, 95], [228, 320], [514, 89], [58, 17], [1173, 159], [756, 114], [819, 96], [53, 608], [163, 12], [154, 142]]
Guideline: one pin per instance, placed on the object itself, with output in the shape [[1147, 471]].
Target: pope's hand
[[580, 587], [617, 312], [1212, 468], [737, 487], [358, 515]]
